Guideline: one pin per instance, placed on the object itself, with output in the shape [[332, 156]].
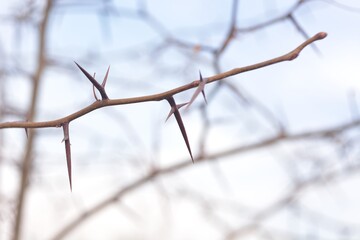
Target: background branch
[[31, 115]]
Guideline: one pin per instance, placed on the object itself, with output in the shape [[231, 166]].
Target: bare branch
[[164, 95]]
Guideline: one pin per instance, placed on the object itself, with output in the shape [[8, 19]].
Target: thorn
[[105, 78], [172, 110], [26, 132], [94, 82], [91, 78], [175, 110], [199, 89], [202, 81], [67, 151], [96, 98]]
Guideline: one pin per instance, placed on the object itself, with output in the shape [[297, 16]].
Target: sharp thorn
[[26, 132], [105, 78], [67, 151], [180, 124]]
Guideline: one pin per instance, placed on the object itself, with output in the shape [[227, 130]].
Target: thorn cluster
[[175, 110], [98, 86], [65, 126]]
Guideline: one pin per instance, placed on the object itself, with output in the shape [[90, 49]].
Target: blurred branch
[[208, 158], [289, 198], [27, 158]]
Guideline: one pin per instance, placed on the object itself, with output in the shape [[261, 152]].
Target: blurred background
[[276, 149]]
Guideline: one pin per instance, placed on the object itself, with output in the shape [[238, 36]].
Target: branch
[[26, 162], [164, 95]]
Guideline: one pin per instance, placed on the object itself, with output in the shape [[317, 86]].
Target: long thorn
[[94, 82], [105, 78], [67, 151], [93, 87], [180, 124], [199, 89]]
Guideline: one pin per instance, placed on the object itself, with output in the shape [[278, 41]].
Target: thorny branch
[[164, 95], [168, 95]]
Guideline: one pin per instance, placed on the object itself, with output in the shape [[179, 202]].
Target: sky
[[314, 91]]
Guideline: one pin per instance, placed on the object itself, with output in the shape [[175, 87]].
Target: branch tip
[[321, 35]]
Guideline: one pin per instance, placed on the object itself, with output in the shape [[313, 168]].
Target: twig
[[164, 95]]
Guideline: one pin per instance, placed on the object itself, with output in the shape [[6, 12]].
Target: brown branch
[[200, 159], [164, 95], [232, 30], [27, 158]]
